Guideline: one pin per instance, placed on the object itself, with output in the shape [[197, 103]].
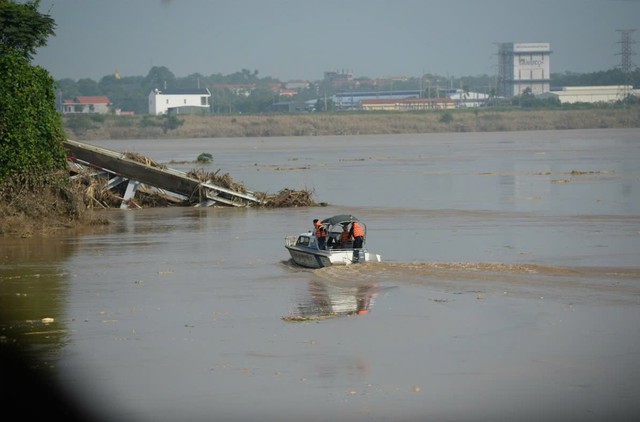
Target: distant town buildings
[[240, 90], [297, 85], [522, 68], [340, 80], [407, 100]]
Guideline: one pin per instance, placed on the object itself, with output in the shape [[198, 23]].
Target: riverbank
[[18, 218], [370, 123]]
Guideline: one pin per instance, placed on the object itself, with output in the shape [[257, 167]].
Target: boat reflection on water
[[330, 299]]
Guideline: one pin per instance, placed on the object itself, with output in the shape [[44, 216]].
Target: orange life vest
[[320, 230], [356, 229], [345, 236]]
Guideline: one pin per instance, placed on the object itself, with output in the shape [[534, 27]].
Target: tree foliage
[[528, 100], [23, 28], [610, 77], [31, 131]]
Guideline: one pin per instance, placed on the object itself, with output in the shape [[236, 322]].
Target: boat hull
[[314, 258]]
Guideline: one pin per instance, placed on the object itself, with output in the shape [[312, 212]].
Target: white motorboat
[[305, 250]]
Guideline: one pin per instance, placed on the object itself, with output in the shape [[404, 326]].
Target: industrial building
[[351, 100], [522, 66], [591, 94], [407, 104]]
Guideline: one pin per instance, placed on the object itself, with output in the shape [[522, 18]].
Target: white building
[[464, 99], [97, 104], [591, 94], [522, 66], [297, 85], [178, 101]]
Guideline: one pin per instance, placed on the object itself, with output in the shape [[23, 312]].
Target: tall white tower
[[522, 66]]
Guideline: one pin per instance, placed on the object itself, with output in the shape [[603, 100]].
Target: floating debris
[[225, 180], [108, 179], [287, 198], [303, 318], [134, 156]]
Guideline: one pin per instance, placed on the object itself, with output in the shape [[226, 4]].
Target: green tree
[[171, 122], [126, 93], [526, 99], [245, 76], [192, 81], [23, 28], [89, 87], [35, 190], [68, 88], [326, 104], [159, 78], [31, 131], [259, 101]]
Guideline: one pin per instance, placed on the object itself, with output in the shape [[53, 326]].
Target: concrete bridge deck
[[121, 169]]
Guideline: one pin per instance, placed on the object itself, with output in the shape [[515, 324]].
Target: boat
[[305, 251]]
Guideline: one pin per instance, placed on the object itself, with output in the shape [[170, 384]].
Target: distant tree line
[[131, 93]]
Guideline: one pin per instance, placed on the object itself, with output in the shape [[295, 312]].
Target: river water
[[509, 287]]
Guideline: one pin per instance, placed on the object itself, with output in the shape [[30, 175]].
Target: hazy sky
[[301, 39]]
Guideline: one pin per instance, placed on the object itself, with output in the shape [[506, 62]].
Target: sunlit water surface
[[509, 287]]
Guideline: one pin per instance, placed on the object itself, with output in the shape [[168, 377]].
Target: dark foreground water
[[510, 287]]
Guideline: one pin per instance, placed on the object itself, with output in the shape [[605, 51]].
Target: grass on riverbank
[[361, 123], [42, 204], [35, 206]]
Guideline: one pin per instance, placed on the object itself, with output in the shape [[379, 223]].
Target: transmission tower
[[626, 64], [501, 78]]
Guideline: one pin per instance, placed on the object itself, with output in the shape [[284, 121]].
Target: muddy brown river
[[509, 287]]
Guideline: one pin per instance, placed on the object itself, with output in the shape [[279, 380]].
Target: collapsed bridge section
[[173, 185]]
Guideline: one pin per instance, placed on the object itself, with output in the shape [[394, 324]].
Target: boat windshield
[[303, 241]]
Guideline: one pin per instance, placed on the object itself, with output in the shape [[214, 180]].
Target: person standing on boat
[[357, 232], [321, 234]]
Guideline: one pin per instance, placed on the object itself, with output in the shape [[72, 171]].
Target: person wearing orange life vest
[[357, 232], [345, 236], [321, 233]]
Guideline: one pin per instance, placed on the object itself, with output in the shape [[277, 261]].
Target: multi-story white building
[[522, 66], [178, 101]]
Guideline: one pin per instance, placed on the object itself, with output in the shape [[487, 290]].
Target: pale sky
[[301, 39]]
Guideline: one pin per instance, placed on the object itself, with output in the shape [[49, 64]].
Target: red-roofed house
[[86, 104], [287, 92]]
